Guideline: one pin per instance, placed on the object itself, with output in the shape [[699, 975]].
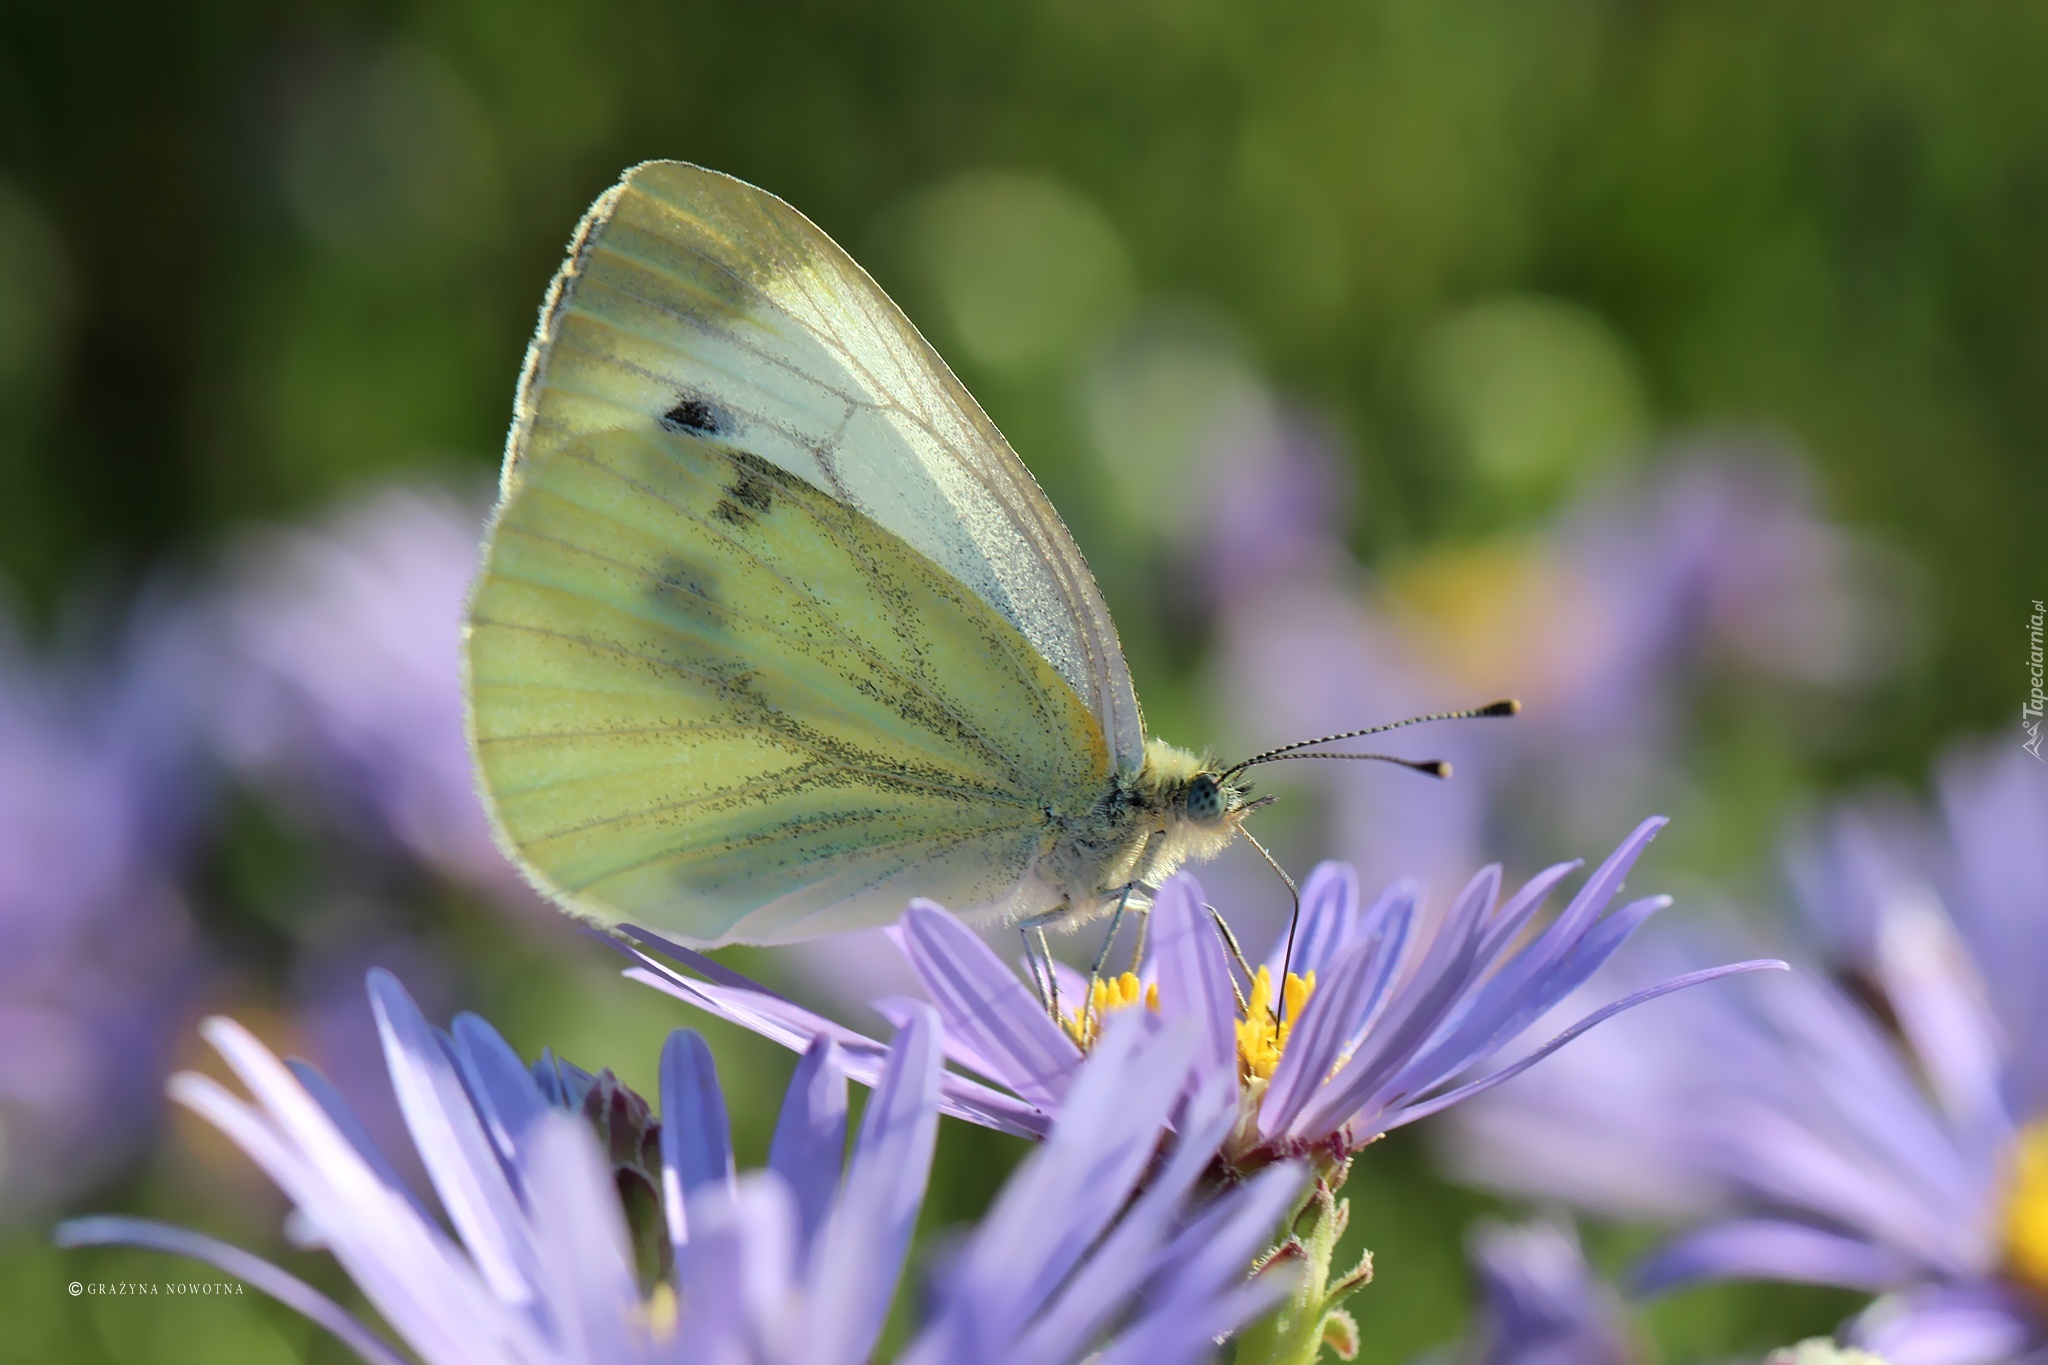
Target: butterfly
[[773, 629]]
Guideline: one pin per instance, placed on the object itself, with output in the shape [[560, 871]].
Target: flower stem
[[1311, 1318]]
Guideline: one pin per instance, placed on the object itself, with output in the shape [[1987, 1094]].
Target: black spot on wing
[[696, 415], [751, 494], [688, 590]]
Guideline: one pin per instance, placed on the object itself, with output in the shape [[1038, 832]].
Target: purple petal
[[1412, 1016], [344, 1119], [809, 1148], [861, 1057], [1345, 1002], [897, 1009], [858, 1255], [1769, 1249], [1194, 974], [736, 1280], [1400, 1116], [1963, 1324], [1329, 920], [286, 1288], [452, 1144], [708, 968], [1939, 997], [579, 1236], [1058, 1204], [982, 1000], [1605, 883], [504, 1090], [1198, 1288], [696, 1138], [421, 1282], [1118, 1265], [1509, 920]]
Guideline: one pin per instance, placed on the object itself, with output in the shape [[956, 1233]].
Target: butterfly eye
[[1205, 798]]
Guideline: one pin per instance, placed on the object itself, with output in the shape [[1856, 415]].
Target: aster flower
[[798, 1262], [1386, 1020], [1383, 1022], [344, 693], [1901, 1149], [1540, 1303], [1716, 558], [99, 794]]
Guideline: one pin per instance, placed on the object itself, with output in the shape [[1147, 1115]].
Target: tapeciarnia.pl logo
[[2031, 708]]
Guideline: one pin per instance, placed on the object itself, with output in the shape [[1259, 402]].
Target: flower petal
[[1348, 997], [858, 1255], [1771, 1249], [586, 1270], [982, 1000], [1194, 974], [344, 1119], [1943, 1324], [696, 1138], [506, 1097], [1398, 1115], [809, 1148], [452, 1144], [1329, 921]]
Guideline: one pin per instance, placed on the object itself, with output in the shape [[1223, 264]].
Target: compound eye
[[1205, 798]]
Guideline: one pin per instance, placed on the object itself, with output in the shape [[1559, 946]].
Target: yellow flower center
[[2026, 1209], [1106, 994], [661, 1310], [1261, 1036]]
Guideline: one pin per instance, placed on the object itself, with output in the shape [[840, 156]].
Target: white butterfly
[[774, 630]]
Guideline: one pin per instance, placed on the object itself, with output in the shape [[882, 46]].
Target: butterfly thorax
[[1177, 808]]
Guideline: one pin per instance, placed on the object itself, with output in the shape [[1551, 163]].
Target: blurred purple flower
[[345, 681], [99, 793], [1384, 1019], [1098, 1248], [1539, 1302], [1903, 1151], [1716, 557]]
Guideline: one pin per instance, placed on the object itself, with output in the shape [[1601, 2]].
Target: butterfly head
[[1193, 794], [1213, 798]]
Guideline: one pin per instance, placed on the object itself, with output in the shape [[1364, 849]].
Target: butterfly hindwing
[[709, 697]]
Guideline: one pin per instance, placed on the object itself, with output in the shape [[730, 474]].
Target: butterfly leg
[[1116, 920], [1038, 954], [1144, 929]]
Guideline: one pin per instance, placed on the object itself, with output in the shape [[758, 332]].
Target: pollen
[[2026, 1209], [1107, 994], [661, 1312], [1261, 1035]]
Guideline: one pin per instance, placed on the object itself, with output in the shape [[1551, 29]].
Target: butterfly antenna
[[1508, 707], [1287, 957]]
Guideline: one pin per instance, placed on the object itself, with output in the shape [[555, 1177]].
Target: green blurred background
[[255, 258]]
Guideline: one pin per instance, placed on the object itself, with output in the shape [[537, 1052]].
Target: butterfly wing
[[711, 691], [694, 300]]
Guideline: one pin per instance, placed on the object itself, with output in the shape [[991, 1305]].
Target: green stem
[[1295, 1334]]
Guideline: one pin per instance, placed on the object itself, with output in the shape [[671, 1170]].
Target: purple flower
[[99, 792], [1902, 1151], [1098, 1248], [345, 692], [1386, 1021], [1540, 1303], [1715, 560]]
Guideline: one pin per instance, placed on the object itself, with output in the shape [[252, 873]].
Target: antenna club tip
[[1509, 707], [1436, 768]]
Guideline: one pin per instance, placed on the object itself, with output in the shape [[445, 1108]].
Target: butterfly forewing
[[711, 691], [695, 301]]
